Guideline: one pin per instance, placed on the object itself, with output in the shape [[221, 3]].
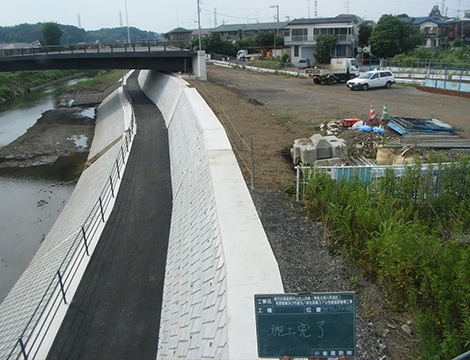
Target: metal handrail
[[94, 48], [30, 340]]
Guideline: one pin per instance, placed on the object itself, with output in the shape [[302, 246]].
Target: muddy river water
[[30, 200]]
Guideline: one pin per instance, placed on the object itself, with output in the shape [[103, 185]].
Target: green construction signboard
[[306, 325]]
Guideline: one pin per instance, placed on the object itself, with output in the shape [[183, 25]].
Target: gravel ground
[[307, 264]]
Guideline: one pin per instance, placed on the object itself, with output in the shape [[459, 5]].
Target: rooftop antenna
[[79, 22], [215, 17], [347, 6], [177, 20], [316, 7], [120, 19], [308, 9]]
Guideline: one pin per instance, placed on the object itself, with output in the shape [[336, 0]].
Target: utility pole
[[199, 23], [127, 21], [277, 18]]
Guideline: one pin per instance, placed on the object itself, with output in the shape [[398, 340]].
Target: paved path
[[115, 313]]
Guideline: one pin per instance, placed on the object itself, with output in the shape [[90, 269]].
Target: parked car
[[372, 79], [303, 63]]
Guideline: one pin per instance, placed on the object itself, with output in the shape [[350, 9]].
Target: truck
[[339, 69]]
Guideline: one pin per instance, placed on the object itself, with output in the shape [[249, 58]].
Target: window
[[296, 51], [299, 34], [375, 76], [382, 75]]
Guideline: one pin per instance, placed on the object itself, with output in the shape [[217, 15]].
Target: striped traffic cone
[[372, 117], [385, 118]]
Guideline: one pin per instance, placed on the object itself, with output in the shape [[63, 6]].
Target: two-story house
[[301, 35], [435, 30]]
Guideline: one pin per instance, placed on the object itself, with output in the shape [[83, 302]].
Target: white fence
[[365, 174]]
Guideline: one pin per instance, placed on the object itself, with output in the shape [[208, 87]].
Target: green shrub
[[412, 235]]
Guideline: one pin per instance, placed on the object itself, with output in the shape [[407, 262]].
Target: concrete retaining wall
[[27, 298], [218, 256]]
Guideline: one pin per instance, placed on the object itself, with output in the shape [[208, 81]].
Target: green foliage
[[393, 36], [435, 12], [444, 56], [214, 44], [14, 84], [365, 31], [412, 235], [51, 33], [72, 35], [284, 58], [324, 49]]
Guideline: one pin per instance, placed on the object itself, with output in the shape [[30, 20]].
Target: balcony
[[312, 39]]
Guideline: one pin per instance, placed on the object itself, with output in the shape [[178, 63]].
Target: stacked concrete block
[[319, 150]]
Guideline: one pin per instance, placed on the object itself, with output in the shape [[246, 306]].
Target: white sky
[[163, 16]]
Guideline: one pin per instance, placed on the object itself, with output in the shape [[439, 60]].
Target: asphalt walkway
[[115, 313]]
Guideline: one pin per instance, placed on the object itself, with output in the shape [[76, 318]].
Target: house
[[204, 33], [18, 48], [435, 29], [301, 35], [460, 29], [178, 35], [243, 31]]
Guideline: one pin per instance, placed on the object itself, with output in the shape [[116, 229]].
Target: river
[[30, 201]]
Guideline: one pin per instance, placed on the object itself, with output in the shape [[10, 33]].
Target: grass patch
[[412, 236], [102, 79]]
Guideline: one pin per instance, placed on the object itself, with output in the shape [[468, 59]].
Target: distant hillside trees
[[73, 35]]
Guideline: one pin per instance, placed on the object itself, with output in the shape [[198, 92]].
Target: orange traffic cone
[[372, 117]]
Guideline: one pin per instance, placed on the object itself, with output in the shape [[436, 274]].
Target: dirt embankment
[[275, 110]]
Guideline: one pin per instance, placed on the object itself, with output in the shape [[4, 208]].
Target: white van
[[303, 63]]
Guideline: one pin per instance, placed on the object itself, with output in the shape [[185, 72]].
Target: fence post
[[61, 285], [297, 185], [122, 155], [460, 80], [252, 165], [117, 169], [23, 349], [111, 182], [101, 208], [84, 239]]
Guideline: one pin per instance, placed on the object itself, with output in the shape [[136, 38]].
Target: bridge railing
[[144, 46], [29, 342]]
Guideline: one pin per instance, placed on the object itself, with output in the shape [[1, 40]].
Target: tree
[[51, 33], [325, 45], [365, 30], [435, 12], [393, 36]]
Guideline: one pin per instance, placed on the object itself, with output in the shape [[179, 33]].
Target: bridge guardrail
[[96, 48], [30, 340]]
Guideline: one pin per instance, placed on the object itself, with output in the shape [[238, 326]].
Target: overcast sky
[[163, 16]]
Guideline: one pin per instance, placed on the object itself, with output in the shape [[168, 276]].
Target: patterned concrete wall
[[21, 303], [219, 256]]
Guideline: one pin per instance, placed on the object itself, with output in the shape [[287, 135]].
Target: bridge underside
[[173, 61]]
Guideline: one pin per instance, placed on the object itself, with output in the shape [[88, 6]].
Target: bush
[[412, 235]]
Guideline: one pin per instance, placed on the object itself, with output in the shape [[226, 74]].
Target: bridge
[[160, 57]]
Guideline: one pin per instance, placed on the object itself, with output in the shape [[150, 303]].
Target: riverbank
[[61, 136]]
